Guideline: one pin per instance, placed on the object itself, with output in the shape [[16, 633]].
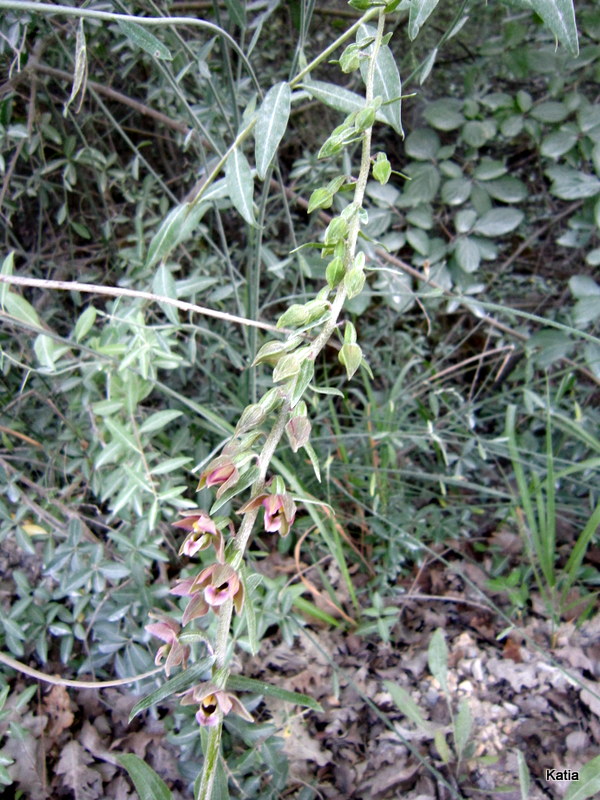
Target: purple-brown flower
[[280, 511], [213, 702], [202, 532], [167, 630], [210, 589], [220, 472]]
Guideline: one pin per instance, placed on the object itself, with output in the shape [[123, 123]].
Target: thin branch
[[58, 681]]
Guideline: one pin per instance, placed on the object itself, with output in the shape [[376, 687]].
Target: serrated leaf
[[159, 420], [420, 10], [386, 80], [163, 284], [498, 221], [180, 683], [271, 124], [145, 40], [240, 185], [239, 683], [148, 784]]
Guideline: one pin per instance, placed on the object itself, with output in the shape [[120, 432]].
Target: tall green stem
[[274, 437]]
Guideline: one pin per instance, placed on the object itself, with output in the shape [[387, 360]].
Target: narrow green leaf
[[163, 284], [559, 16], [271, 124], [463, 725], [142, 38], [45, 350], [310, 451], [120, 434], [524, 777], [420, 10], [239, 683], [170, 465], [166, 236], [21, 309], [237, 12], [437, 656], [158, 420], [81, 70], [148, 784], [6, 269], [85, 323], [180, 683], [588, 784], [240, 185], [406, 705], [334, 96]]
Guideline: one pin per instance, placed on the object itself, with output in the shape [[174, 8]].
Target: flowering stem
[[242, 538]]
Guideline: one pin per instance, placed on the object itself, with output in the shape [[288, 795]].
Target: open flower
[[213, 702], [220, 472], [280, 511], [210, 589], [202, 532], [176, 653]]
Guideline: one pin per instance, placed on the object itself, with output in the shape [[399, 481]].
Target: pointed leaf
[[588, 784], [272, 121], [81, 69], [559, 16], [21, 309], [163, 284], [148, 784], [419, 12], [180, 683], [239, 683], [145, 40], [437, 657], [240, 185]]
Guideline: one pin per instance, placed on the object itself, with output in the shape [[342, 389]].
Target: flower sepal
[[213, 704]]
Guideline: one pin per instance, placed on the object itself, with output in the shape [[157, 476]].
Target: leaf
[[120, 434], [145, 40], [45, 350], [166, 236], [445, 115], [21, 309], [437, 656], [559, 16], [272, 122], [422, 144], [571, 184], [240, 185], [588, 784], [419, 12], [498, 221], [524, 777], [386, 81], [180, 683], [76, 775], [406, 705], [237, 12], [158, 420], [148, 784], [239, 683], [85, 323], [506, 189], [334, 96], [463, 725], [81, 70], [163, 284], [467, 254], [582, 286]]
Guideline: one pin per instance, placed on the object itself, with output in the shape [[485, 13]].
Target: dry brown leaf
[[29, 769], [84, 782], [57, 705]]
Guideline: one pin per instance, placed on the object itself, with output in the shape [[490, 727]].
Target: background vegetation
[[479, 322]]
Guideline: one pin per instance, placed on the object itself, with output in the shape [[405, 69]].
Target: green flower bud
[[350, 356], [336, 231], [354, 281], [365, 119], [382, 169], [294, 317], [335, 272]]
